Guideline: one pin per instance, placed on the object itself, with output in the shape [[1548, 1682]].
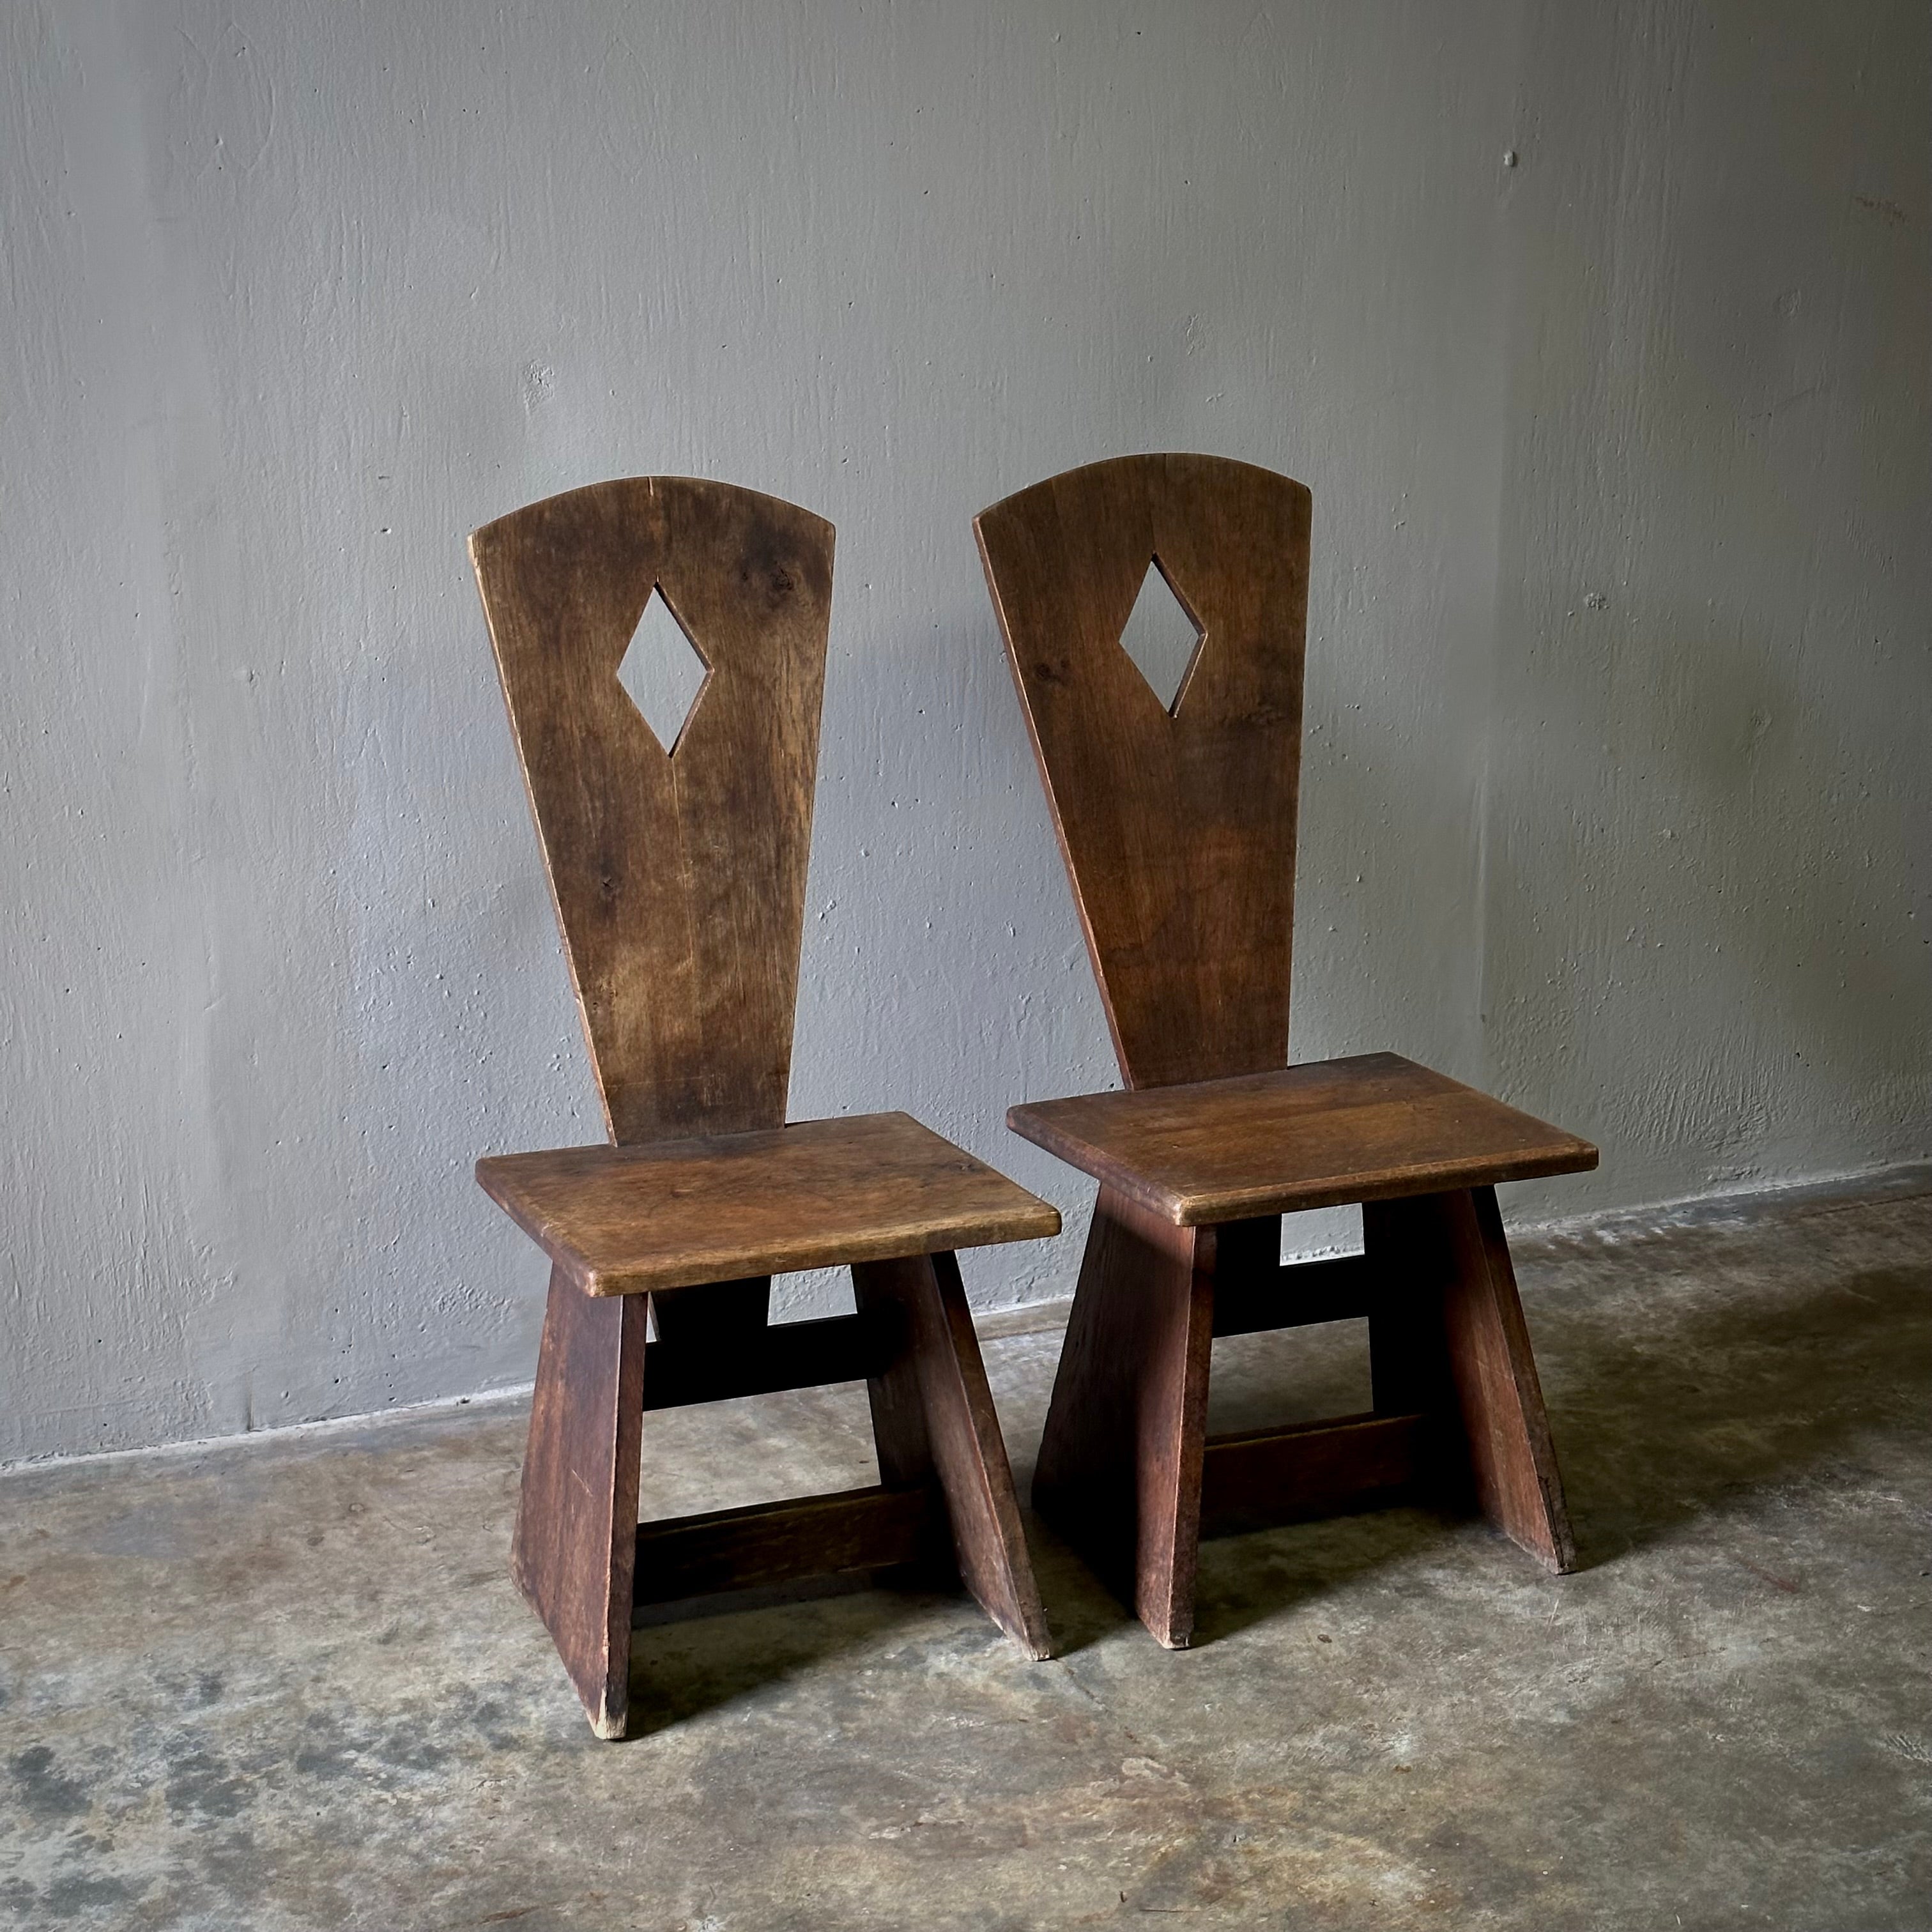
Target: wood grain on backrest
[[1177, 828], [678, 876]]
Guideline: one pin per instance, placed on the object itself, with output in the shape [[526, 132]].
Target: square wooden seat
[[1176, 806], [620, 1220], [1326, 1132]]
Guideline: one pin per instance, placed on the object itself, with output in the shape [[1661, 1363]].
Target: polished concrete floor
[[288, 1684]]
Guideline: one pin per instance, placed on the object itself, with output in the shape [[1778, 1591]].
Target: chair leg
[[1119, 1474], [933, 1415], [576, 1542], [1448, 1337]]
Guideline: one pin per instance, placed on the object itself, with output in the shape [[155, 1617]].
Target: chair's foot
[[1120, 1461], [934, 1418], [1449, 1336], [575, 1548]]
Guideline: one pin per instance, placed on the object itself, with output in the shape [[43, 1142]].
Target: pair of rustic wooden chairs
[[677, 863]]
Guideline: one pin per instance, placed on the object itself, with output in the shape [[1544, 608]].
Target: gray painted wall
[[1615, 798]]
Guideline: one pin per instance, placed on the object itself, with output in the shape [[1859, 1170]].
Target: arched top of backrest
[[679, 874], [1177, 826]]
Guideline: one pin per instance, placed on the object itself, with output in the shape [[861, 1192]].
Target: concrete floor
[[288, 1684]]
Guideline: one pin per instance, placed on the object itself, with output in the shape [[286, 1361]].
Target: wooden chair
[[678, 873], [1178, 827]]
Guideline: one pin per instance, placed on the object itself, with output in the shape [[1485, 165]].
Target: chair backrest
[[1177, 825], [678, 874]]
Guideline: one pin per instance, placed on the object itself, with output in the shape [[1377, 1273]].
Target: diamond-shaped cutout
[[1162, 637], [662, 671]]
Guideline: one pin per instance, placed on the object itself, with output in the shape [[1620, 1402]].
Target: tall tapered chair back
[[677, 855], [1176, 815]]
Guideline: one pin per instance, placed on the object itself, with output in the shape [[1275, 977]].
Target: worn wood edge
[[1206, 1210], [880, 1529], [1010, 504], [487, 533], [1116, 1395], [571, 1550], [728, 1263], [934, 1421], [1236, 1204], [1362, 1421], [700, 1146], [1016, 1605], [1553, 1541], [1389, 1450], [1038, 1221], [1168, 1539], [1028, 1218]]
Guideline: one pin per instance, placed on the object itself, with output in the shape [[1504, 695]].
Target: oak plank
[[674, 1213], [967, 1454], [1177, 828], [571, 1552], [1119, 1470], [678, 875], [1314, 1135], [767, 1544], [1266, 1476], [1450, 1335], [1512, 1453]]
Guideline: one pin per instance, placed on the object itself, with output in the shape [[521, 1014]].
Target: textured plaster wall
[[1616, 791]]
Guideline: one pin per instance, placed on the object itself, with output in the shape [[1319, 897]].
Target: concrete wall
[[1616, 795]]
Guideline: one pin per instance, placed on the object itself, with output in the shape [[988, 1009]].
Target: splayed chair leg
[[576, 1542], [932, 1409], [1449, 1336], [1120, 1461]]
